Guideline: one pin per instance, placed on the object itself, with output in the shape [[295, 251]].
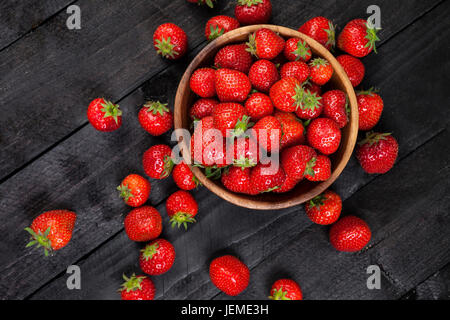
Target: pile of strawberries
[[269, 96]]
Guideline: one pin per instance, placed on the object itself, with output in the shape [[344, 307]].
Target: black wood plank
[[436, 287]]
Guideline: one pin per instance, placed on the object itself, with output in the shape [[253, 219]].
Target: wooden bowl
[[305, 190]]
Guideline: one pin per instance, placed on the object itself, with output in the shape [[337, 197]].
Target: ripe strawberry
[[321, 71], [324, 135], [286, 94], [350, 234], [320, 29], [229, 275], [104, 115], [296, 159], [157, 162], [209, 3], [377, 153], [231, 119], [335, 107], [202, 82], [143, 224], [370, 108], [297, 49], [137, 288], [358, 38], [353, 67], [183, 177], [267, 177], [246, 152], [237, 180], [324, 209], [181, 208], [258, 106], [285, 289], [170, 41], [156, 118], [263, 74], [287, 186], [135, 190], [268, 133], [157, 257], [234, 57], [253, 11], [295, 69], [319, 169], [232, 85], [293, 130], [207, 148], [52, 230], [219, 25], [202, 108], [312, 87], [265, 44], [310, 105]]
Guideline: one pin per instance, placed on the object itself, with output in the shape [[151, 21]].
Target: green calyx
[[181, 218], [331, 32], [305, 99], [149, 251], [168, 167], [241, 126], [213, 172], [215, 32], [125, 192], [279, 294], [369, 92], [309, 171], [371, 36], [271, 189], [319, 62], [302, 51], [111, 110], [209, 3], [244, 162], [156, 107], [249, 3], [251, 45], [374, 138], [40, 240], [131, 284], [165, 48], [317, 201]]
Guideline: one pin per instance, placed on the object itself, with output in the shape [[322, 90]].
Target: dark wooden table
[[51, 158]]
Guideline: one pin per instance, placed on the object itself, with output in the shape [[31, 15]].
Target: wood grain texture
[[436, 287]]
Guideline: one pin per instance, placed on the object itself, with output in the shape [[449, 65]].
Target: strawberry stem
[[279, 294], [371, 36], [111, 110], [181, 218], [125, 192], [156, 107], [131, 284], [166, 48], [249, 3], [149, 251], [40, 239]]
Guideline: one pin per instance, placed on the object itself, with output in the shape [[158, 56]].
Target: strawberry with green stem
[[155, 118], [134, 190], [157, 162], [321, 71], [157, 257], [181, 207], [253, 11], [285, 289], [137, 288], [377, 153], [296, 49], [219, 25], [265, 44], [324, 209], [104, 115], [358, 38], [318, 169], [170, 41], [295, 160], [231, 119], [309, 105], [320, 29]]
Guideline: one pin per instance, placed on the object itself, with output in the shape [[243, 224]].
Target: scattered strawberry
[[203, 108], [258, 106], [246, 152], [137, 288], [319, 169], [104, 115], [350, 234], [157, 257], [232, 85], [237, 180], [285, 289], [286, 94], [181, 208], [268, 133], [358, 38], [295, 69], [324, 135], [52, 230], [320, 29], [335, 107], [324, 209], [234, 57], [377, 153], [353, 67], [293, 130], [143, 224], [202, 82], [253, 11], [134, 190], [309, 106], [170, 41], [267, 177], [219, 25], [230, 119], [157, 161], [265, 44], [184, 178], [370, 108], [321, 71], [296, 159], [155, 118], [263, 74], [229, 274], [209, 3], [297, 49]]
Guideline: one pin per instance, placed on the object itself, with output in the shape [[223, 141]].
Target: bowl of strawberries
[[271, 114]]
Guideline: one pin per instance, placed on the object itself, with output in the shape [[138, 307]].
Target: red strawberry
[[156, 118], [335, 107], [296, 159], [259, 106], [263, 74], [135, 190], [265, 44], [295, 69], [370, 108], [320, 29], [143, 224], [297, 49], [157, 161], [203, 82], [353, 67], [157, 257], [287, 186], [183, 177], [268, 133], [324, 209], [232, 85], [209, 3], [319, 169], [237, 180], [219, 25], [202, 108], [253, 11], [181, 208], [350, 234], [207, 143], [321, 71], [170, 41], [358, 38], [104, 115], [246, 152], [285, 289], [137, 288], [229, 275], [324, 135], [231, 119], [234, 57], [52, 230], [286, 94], [292, 128], [309, 106], [377, 153], [267, 177], [312, 87]]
